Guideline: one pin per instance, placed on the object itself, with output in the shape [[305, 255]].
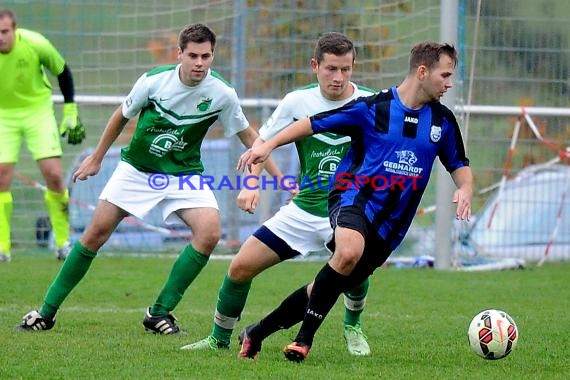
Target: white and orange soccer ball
[[493, 334]]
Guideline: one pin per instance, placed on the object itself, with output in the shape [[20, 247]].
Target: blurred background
[[513, 54]]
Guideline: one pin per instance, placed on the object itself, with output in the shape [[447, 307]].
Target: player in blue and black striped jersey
[[396, 136]]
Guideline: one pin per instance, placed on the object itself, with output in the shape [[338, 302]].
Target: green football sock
[[6, 204], [185, 269], [57, 205], [231, 302], [71, 272], [354, 302]]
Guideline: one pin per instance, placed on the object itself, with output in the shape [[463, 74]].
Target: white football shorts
[[137, 193], [303, 232]]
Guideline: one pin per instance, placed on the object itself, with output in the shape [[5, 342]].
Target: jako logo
[[314, 314]]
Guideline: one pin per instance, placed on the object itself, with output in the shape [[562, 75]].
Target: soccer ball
[[493, 334]]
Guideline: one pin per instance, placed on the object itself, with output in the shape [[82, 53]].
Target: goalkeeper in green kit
[[26, 112]]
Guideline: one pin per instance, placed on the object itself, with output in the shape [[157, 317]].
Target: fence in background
[[520, 57]]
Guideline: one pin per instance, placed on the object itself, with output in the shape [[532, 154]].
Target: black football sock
[[328, 286], [287, 314]]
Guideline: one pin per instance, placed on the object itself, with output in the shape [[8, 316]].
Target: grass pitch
[[416, 321]]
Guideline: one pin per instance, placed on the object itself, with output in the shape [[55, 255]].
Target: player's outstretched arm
[[92, 163], [261, 152], [249, 197], [250, 138]]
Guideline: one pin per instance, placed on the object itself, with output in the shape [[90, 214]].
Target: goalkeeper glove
[[71, 125]]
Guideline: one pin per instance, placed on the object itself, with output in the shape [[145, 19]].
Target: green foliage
[[416, 321]]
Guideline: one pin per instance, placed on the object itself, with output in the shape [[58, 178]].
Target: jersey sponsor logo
[[328, 166], [165, 143], [404, 165], [204, 104], [435, 133], [406, 157], [326, 153], [328, 160]]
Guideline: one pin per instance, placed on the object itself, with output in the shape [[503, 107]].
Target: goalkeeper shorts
[[37, 127]]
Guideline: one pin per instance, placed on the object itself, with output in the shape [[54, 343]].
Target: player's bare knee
[[54, 177], [6, 174], [93, 243], [206, 241], [95, 236], [345, 258], [310, 288], [240, 270], [55, 183]]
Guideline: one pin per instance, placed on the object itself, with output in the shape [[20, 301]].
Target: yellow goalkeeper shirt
[[24, 83]]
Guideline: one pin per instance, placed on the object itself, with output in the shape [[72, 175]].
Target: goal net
[[264, 49]]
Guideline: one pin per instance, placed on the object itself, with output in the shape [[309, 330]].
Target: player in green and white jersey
[[26, 111], [302, 226], [176, 106]]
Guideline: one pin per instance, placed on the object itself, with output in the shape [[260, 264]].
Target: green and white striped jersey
[[174, 118], [320, 154]]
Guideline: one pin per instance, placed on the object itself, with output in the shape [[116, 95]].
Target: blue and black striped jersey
[[388, 165]]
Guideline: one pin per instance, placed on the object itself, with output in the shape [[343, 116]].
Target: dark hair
[[5, 12], [428, 53], [334, 43], [197, 33]]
